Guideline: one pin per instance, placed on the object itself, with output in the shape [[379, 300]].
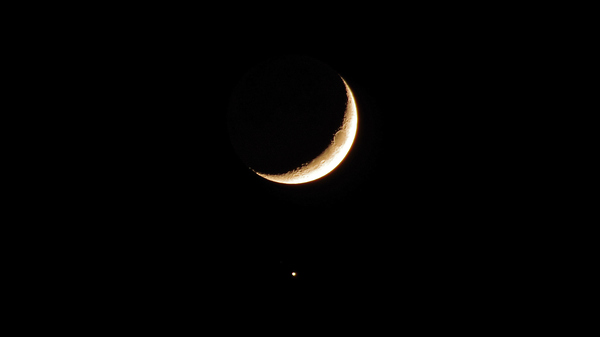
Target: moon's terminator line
[[329, 159]]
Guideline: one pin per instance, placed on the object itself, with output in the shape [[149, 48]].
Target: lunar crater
[[289, 117]]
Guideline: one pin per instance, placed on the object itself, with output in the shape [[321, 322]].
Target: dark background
[[417, 202], [424, 208]]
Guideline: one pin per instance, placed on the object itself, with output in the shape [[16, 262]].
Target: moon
[[331, 157]]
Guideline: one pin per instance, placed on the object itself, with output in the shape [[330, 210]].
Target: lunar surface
[[329, 159]]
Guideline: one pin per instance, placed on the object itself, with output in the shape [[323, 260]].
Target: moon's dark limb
[[285, 112]]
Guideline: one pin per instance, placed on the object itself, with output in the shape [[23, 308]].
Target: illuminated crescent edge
[[329, 159]]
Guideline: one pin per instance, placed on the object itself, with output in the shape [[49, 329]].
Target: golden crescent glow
[[331, 157]]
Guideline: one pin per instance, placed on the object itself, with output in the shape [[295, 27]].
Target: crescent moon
[[329, 159]]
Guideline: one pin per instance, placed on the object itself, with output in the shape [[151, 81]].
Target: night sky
[[399, 212], [417, 210]]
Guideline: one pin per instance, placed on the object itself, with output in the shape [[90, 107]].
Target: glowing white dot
[[294, 273]]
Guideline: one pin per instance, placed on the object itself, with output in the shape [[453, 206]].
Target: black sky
[[417, 207], [411, 193]]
